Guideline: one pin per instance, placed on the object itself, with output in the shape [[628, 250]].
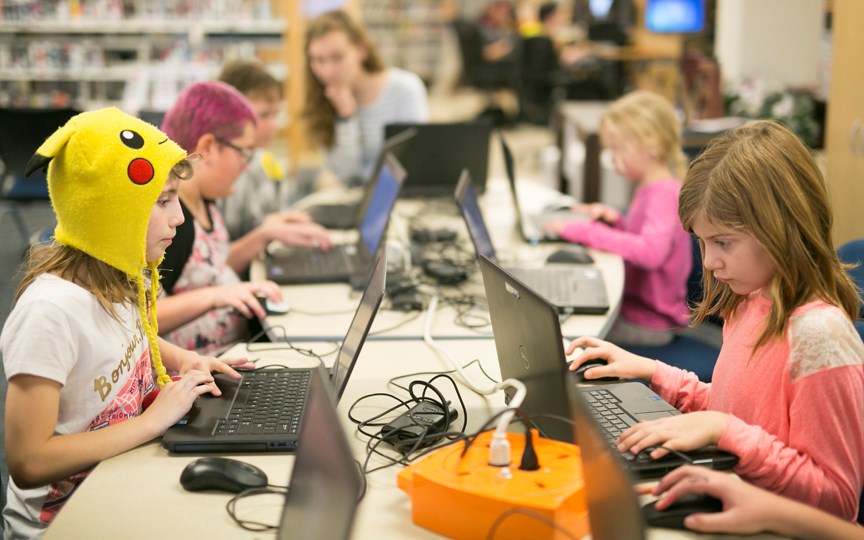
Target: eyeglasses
[[246, 153]]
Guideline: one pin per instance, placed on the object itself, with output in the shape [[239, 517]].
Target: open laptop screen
[[466, 197], [613, 508], [381, 202], [325, 481], [360, 324]]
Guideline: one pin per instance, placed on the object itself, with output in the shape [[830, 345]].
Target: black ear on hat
[[36, 162]]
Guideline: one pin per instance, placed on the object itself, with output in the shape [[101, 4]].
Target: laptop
[[438, 153], [346, 214], [343, 262], [613, 506], [226, 424], [532, 225], [325, 482], [570, 288], [530, 348]]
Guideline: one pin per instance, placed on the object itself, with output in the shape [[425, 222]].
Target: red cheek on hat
[[140, 171]]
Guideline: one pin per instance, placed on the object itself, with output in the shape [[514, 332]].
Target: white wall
[[777, 40]]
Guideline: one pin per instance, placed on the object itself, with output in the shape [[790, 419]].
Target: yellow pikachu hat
[[106, 170]]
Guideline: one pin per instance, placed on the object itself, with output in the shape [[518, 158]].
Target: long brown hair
[[760, 179], [319, 112]]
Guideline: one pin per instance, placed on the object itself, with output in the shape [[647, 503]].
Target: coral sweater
[[796, 408]]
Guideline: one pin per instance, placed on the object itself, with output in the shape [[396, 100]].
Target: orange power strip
[[464, 497]]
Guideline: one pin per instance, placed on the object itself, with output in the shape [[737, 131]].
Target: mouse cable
[[408, 319], [499, 448], [392, 381], [284, 344], [527, 513], [361, 491], [247, 524]]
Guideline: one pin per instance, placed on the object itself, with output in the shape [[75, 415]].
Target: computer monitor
[[675, 16]]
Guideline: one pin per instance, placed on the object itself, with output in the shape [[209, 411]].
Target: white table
[[323, 312], [138, 494]]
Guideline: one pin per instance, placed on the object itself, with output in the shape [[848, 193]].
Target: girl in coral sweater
[[787, 395]]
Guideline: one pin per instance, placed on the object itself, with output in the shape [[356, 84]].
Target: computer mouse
[[276, 308], [557, 207], [588, 364], [673, 517], [273, 307], [570, 255], [221, 474]]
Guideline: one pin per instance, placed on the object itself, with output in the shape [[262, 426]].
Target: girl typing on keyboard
[[787, 395], [80, 348]]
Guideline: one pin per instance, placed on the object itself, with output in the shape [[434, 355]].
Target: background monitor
[[675, 16]]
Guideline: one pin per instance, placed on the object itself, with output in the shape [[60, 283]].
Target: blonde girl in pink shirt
[[787, 395]]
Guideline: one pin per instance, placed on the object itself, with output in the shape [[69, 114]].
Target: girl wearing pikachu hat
[[80, 347]]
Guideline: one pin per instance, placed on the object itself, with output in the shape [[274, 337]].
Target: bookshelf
[[135, 54], [407, 33]]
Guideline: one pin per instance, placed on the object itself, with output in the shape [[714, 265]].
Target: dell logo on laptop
[[523, 354], [512, 290]]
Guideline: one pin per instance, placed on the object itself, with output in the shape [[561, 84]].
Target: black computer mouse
[[673, 517], [570, 255], [221, 474], [588, 364]]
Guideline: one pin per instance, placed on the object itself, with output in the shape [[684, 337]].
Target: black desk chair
[[22, 132], [480, 74]]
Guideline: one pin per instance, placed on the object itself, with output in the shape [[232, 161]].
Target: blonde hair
[[319, 112], [649, 118], [760, 179]]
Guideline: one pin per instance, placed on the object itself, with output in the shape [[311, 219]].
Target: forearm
[[175, 310], [172, 355], [680, 388], [246, 248], [798, 520], [62, 456]]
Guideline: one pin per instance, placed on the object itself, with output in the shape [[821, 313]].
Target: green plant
[[758, 98]]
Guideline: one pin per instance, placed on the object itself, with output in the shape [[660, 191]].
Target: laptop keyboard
[[613, 420], [556, 285], [333, 261], [267, 402]]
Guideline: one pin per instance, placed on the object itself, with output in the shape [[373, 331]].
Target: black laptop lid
[[436, 155], [510, 168], [522, 326], [466, 199], [359, 328], [613, 508], [325, 481]]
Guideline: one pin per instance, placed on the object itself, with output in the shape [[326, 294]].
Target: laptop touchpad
[[654, 415]]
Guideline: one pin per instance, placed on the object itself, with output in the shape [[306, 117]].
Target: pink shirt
[[796, 407], [657, 255]]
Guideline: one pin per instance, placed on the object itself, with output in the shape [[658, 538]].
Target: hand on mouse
[[620, 363], [176, 398], [746, 508], [682, 432]]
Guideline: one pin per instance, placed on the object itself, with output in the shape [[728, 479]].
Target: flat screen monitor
[[675, 16]]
